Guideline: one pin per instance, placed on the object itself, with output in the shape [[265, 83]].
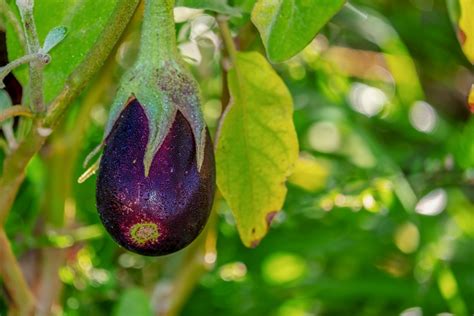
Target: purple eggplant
[[166, 210]]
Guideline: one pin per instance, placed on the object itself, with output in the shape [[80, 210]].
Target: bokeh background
[[379, 216]]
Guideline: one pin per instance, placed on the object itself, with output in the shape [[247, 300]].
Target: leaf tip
[[255, 243]]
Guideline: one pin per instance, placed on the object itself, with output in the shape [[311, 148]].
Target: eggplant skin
[[164, 212]]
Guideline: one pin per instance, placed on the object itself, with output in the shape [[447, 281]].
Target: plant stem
[[33, 47], [5, 70], [16, 110], [158, 40], [22, 300], [227, 37], [14, 170]]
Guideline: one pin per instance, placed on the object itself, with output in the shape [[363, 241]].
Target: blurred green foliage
[[379, 216]]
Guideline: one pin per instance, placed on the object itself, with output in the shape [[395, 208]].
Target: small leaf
[[133, 302], [256, 147], [219, 6], [288, 26], [54, 37]]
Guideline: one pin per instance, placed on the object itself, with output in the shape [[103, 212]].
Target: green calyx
[[160, 82]]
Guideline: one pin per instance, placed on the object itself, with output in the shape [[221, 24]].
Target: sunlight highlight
[[433, 203], [423, 117]]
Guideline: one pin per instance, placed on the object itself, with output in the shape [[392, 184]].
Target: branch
[[5, 70], [33, 47], [227, 37], [16, 110], [22, 300]]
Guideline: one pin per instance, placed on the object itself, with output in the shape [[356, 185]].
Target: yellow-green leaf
[[466, 26], [288, 26], [257, 145]]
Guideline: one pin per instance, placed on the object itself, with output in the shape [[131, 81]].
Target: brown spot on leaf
[[461, 36], [255, 243], [270, 217]]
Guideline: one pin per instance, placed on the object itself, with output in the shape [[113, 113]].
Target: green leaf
[[84, 21], [133, 302], [244, 5], [219, 6], [54, 37], [288, 26], [257, 145]]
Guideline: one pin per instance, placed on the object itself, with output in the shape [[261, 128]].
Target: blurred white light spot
[[126, 260], [414, 311], [210, 258], [433, 203], [324, 137], [99, 115], [235, 271], [368, 201], [100, 276], [340, 200], [367, 100], [123, 54], [44, 132], [423, 117]]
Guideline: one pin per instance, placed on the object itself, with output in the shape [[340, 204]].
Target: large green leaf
[[84, 20], [257, 145], [133, 302], [288, 26], [219, 6]]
